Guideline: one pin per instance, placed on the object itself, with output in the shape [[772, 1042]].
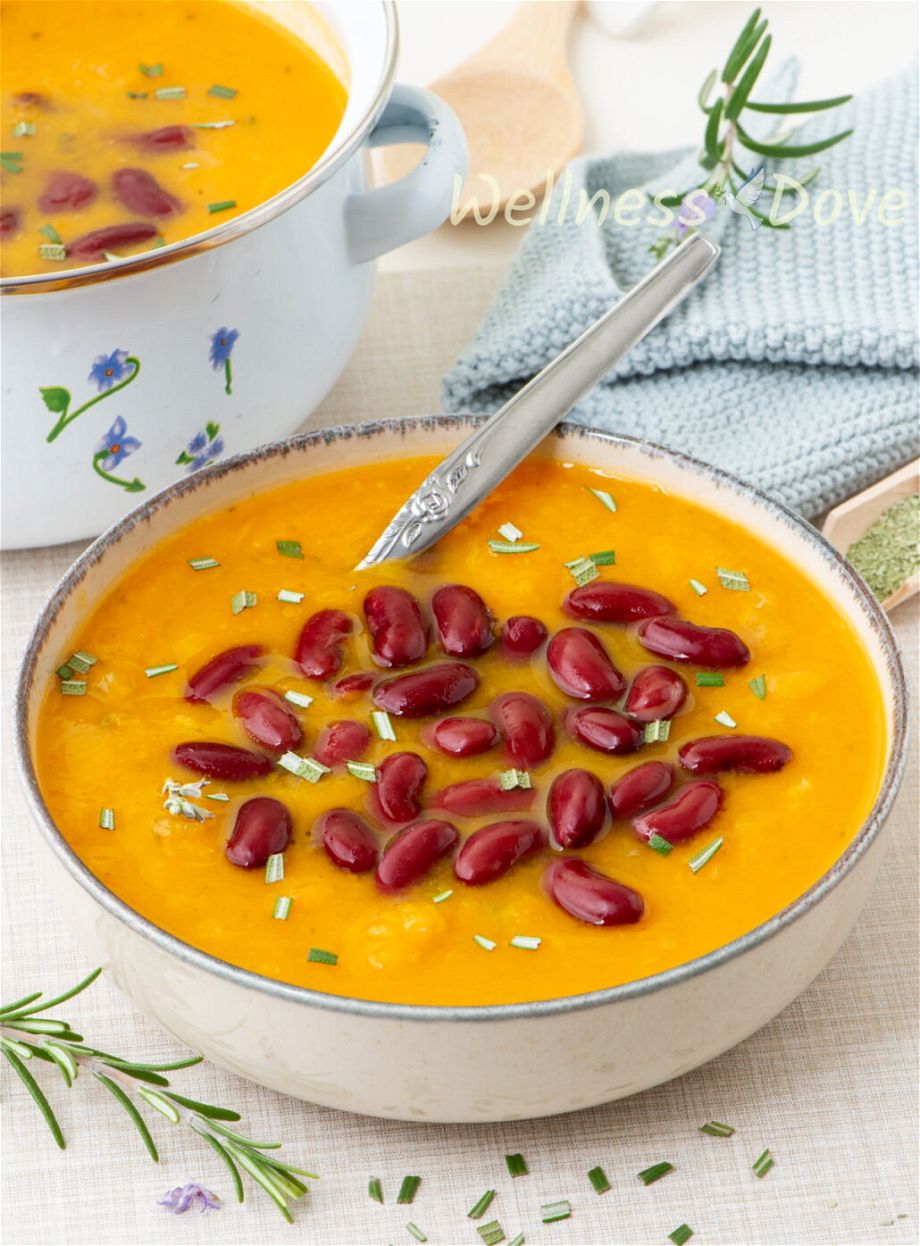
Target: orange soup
[[128, 124], [594, 733]]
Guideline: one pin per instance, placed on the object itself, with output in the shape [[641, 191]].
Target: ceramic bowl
[[462, 1063]]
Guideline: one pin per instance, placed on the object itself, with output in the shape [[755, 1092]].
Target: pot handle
[[380, 220]]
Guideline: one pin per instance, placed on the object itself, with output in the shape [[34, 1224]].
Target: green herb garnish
[[700, 589], [138, 95], [303, 767], [648, 1176], [81, 661], [11, 161], [710, 679], [408, 1189], [216, 796], [52, 251], [107, 819], [243, 600], [725, 719], [375, 1189], [517, 1241], [289, 549], [298, 698], [888, 553], [222, 205], [489, 944], [442, 896], [416, 1232], [510, 779], [551, 1212], [598, 1179], [383, 725], [696, 863], [660, 845], [282, 908], [604, 558], [491, 1233], [202, 564], [481, 1205], [51, 234], [735, 580], [681, 1234], [529, 943], [288, 595], [319, 956], [23, 129], [151, 71], [656, 732], [758, 685], [223, 93], [604, 498], [63, 672], [210, 125], [73, 687], [513, 547], [362, 770], [763, 1163], [516, 1164], [274, 868], [717, 1129], [170, 93], [166, 669], [510, 532]]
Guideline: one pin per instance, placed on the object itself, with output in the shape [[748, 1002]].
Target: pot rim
[[328, 164], [349, 1005]]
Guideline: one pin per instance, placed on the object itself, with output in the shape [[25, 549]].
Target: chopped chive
[[510, 779], [681, 1234], [656, 732], [303, 767], [73, 687], [11, 161], [52, 251], [362, 770], [598, 1179], [517, 1241], [648, 1176], [491, 1233], [63, 672], [290, 596], [81, 661], [551, 1212], [375, 1189], [700, 589], [167, 668], [107, 819], [51, 234], [274, 868], [224, 205], [407, 1190], [170, 93], [762, 1164], [696, 863], [710, 679], [725, 719], [516, 1164], [583, 571], [510, 532], [282, 908], [416, 1232], [660, 845], [480, 1207], [513, 547], [442, 896], [529, 943], [489, 944], [243, 600], [23, 129], [606, 499], [735, 580], [604, 558], [289, 549], [210, 125], [758, 686], [223, 93], [383, 725], [216, 796], [298, 698], [151, 71], [319, 956], [138, 95], [190, 164], [717, 1129], [202, 564]]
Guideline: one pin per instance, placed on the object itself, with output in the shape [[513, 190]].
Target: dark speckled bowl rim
[[250, 981]]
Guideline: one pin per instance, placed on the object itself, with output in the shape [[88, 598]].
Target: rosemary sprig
[[27, 1033]]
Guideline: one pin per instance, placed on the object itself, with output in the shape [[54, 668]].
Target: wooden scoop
[[518, 105]]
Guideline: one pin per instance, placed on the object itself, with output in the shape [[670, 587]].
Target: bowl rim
[[337, 154], [356, 1007]]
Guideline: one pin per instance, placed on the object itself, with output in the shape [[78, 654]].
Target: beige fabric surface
[[829, 1086]]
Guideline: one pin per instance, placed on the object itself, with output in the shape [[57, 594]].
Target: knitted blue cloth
[[794, 363]]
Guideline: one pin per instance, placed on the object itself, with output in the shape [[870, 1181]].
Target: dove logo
[[746, 196]]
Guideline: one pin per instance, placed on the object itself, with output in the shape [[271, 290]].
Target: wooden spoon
[[518, 105], [847, 522]]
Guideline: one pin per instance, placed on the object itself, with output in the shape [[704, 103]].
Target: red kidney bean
[[691, 809], [319, 646], [166, 138], [463, 621], [603, 729], [464, 737], [526, 725], [139, 191], [65, 190], [93, 245], [581, 667], [680, 641], [474, 797], [522, 635], [348, 840], [398, 631], [576, 808], [9, 221], [222, 761], [225, 668], [342, 741], [351, 686], [268, 719], [490, 852], [429, 691], [640, 788], [752, 754], [604, 601], [262, 826], [413, 851], [590, 896], [397, 792], [657, 692]]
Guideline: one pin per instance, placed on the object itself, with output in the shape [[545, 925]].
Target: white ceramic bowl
[[281, 292], [462, 1064]]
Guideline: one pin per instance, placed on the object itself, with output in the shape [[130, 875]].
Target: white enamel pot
[[469, 1063], [106, 371]]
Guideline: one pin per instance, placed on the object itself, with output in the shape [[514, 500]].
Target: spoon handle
[[486, 457]]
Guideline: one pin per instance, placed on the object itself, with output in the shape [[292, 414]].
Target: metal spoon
[[472, 471]]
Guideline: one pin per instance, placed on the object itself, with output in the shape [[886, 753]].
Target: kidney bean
[[463, 621], [268, 719], [222, 761], [342, 741], [225, 668], [526, 725], [397, 792], [93, 245], [522, 635], [139, 191], [585, 893], [576, 808], [464, 737], [752, 754], [473, 797], [657, 692], [9, 221], [166, 138], [262, 826], [66, 190], [490, 852], [604, 601], [581, 667], [348, 840], [413, 851], [351, 686], [690, 810], [319, 647], [640, 788], [680, 641], [398, 631], [429, 691], [603, 729]]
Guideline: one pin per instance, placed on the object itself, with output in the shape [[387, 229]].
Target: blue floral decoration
[[222, 343], [183, 1197], [109, 370], [116, 445], [204, 448]]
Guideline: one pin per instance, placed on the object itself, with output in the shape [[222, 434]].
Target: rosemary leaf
[[137, 1119]]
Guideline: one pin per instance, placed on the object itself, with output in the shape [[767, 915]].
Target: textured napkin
[[793, 365]]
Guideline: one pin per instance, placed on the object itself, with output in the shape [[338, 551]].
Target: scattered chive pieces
[[223, 93], [11, 161], [63, 672], [529, 943], [681, 1234], [583, 571], [513, 547], [274, 868], [298, 698], [303, 767], [489, 944], [362, 770], [442, 896], [762, 1164], [598, 1179], [81, 661], [510, 532], [107, 819], [375, 1189], [480, 1206], [509, 779], [243, 600], [383, 725], [289, 549], [517, 1241], [52, 251], [758, 685], [648, 1176], [407, 1190], [319, 956], [516, 1164], [696, 863], [656, 732], [138, 95], [224, 205], [170, 93], [700, 589], [189, 164], [735, 580], [23, 129], [606, 499], [725, 719], [216, 796], [152, 671], [710, 679], [660, 845], [73, 687], [203, 564], [210, 125], [282, 908], [416, 1232], [717, 1129], [604, 558], [551, 1212], [151, 71], [290, 596], [491, 1233], [51, 234]]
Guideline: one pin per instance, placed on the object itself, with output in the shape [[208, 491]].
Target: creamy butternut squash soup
[[128, 124], [594, 733]]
